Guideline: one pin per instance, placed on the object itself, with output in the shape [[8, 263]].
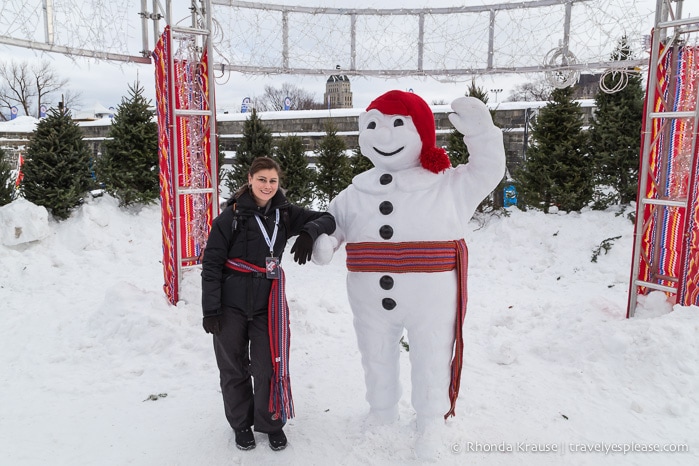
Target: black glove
[[302, 248], [212, 324]]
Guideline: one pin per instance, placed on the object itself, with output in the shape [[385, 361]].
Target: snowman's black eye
[[398, 122], [371, 125]]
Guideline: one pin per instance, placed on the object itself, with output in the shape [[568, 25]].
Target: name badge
[[272, 267]]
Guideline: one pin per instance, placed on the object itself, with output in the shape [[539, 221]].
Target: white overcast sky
[[106, 82]]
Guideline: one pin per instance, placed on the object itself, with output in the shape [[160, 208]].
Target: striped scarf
[[421, 256], [280, 401]]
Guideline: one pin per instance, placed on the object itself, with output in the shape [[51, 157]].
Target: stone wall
[[510, 116], [310, 126]]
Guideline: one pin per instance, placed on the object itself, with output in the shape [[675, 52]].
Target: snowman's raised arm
[[486, 161]]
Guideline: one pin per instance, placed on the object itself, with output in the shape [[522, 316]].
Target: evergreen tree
[[128, 166], [557, 170], [6, 181], [220, 160], [334, 172], [57, 165], [298, 176], [359, 163], [615, 136], [456, 147], [256, 142]]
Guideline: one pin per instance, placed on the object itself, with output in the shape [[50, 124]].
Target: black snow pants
[[242, 352]]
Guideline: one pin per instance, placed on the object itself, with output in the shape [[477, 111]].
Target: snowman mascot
[[403, 223]]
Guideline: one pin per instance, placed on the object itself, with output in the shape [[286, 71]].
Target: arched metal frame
[[562, 61]]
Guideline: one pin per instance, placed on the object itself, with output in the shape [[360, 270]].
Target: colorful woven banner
[[669, 242], [194, 161], [689, 279], [689, 287], [184, 142], [20, 174], [161, 58]]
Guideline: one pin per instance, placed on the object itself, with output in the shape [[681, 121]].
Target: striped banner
[[161, 58], [194, 143], [184, 150], [689, 278], [670, 243], [689, 287]]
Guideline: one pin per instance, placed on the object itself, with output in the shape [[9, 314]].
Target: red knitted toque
[[432, 158]]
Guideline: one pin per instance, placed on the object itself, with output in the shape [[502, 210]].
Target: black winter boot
[[277, 440], [244, 438]]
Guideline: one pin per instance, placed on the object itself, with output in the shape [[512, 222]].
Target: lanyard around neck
[[270, 242]]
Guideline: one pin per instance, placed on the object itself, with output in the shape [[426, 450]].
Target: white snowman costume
[[411, 196]]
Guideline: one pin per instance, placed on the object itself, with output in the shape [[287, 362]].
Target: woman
[[244, 305]]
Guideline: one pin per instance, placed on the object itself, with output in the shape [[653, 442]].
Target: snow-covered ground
[[98, 369]]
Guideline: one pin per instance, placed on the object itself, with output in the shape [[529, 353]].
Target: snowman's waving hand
[[471, 117]]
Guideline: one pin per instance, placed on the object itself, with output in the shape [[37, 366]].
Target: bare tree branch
[[30, 87], [5, 102], [46, 81], [17, 88], [531, 91], [273, 98], [72, 100]]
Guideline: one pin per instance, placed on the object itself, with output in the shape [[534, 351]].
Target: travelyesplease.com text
[[568, 447]]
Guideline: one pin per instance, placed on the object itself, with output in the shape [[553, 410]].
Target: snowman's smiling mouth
[[388, 154]]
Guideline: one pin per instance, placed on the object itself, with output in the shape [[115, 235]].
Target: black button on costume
[[386, 231], [386, 207], [386, 282], [388, 304]]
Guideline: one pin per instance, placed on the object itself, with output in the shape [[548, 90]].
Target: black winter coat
[[248, 292]]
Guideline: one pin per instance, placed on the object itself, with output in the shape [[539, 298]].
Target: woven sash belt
[[280, 401], [421, 256]]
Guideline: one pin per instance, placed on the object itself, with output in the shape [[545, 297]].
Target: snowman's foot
[[381, 417], [429, 443], [428, 447]]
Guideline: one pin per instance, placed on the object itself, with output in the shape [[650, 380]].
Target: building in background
[[587, 86], [338, 92], [96, 112]]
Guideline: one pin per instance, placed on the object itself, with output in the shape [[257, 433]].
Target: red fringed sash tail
[[421, 256], [280, 400]]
